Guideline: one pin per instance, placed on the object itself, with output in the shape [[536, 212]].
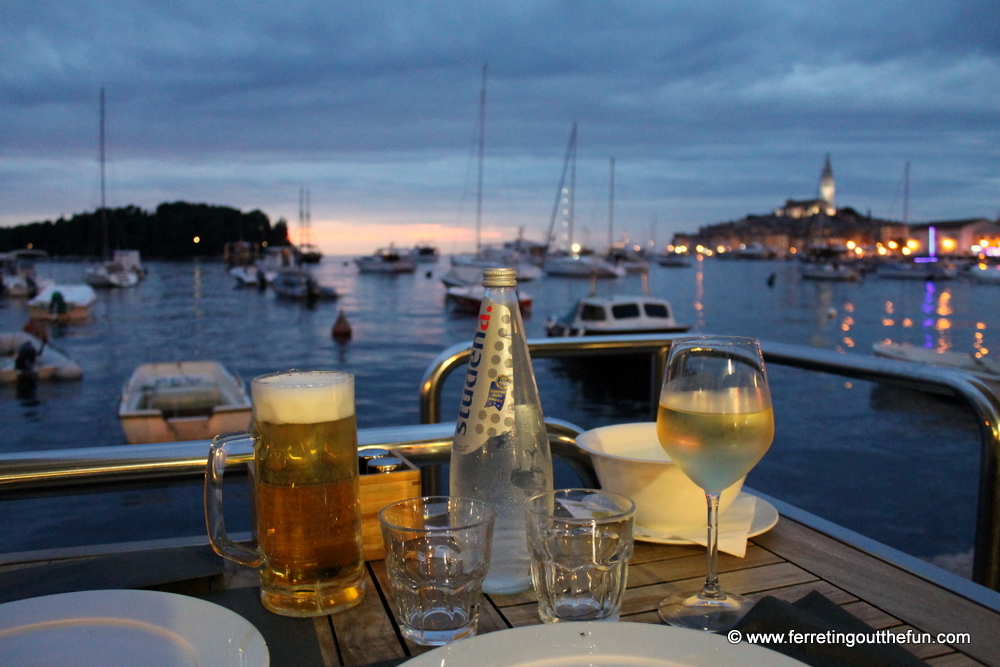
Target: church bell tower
[[826, 185]]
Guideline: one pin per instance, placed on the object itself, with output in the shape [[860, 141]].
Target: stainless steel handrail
[[30, 474], [983, 402]]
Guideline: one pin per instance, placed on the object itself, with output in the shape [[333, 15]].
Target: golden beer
[[307, 497], [309, 516]]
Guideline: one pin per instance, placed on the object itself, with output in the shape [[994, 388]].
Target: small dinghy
[[183, 400], [45, 361]]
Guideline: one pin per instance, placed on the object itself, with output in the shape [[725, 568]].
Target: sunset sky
[[711, 109]]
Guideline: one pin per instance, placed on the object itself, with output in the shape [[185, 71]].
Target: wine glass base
[[691, 610]]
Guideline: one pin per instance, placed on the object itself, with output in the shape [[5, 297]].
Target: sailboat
[[308, 253], [468, 269], [573, 261], [122, 270], [625, 254]]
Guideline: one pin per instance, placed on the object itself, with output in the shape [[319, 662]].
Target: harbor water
[[898, 466]]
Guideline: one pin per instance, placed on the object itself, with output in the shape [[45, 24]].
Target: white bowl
[[629, 460]]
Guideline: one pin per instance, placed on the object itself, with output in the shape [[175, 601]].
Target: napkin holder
[[379, 489]]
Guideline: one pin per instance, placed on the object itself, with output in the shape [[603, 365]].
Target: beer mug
[[306, 496]]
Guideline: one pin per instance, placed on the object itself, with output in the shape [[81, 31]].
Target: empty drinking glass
[[437, 553], [580, 542]]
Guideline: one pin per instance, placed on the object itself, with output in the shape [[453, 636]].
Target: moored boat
[[183, 400], [616, 314], [425, 253], [985, 273], [42, 360], [299, 284], [63, 303], [468, 298], [387, 260], [920, 268], [829, 271], [108, 275], [582, 266]]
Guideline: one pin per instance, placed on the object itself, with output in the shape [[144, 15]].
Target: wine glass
[[715, 420]]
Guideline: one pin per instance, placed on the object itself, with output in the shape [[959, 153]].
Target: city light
[[197, 239], [912, 244], [948, 244]]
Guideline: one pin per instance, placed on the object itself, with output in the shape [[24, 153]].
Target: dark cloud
[[713, 109]]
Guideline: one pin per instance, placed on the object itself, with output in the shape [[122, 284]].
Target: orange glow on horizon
[[342, 237]]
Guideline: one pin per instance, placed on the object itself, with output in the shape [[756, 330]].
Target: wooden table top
[[787, 562]]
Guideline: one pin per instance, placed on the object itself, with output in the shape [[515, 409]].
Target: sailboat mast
[[611, 206], [104, 210], [570, 152], [482, 145], [572, 190], [906, 193]]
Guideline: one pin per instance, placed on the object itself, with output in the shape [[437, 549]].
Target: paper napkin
[[734, 527]]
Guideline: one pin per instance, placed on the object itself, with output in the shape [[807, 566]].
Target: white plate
[[133, 628], [765, 516], [599, 644]]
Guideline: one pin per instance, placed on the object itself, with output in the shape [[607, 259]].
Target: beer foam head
[[303, 397]]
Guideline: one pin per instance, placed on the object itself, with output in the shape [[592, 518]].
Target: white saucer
[[765, 516]]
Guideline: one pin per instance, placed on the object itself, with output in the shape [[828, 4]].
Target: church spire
[[826, 184]]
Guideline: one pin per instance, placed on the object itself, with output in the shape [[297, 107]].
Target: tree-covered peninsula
[[173, 231]]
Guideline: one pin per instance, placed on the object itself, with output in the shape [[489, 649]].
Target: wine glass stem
[[712, 590]]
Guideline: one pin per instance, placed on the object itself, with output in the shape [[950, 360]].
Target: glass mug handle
[[221, 544]]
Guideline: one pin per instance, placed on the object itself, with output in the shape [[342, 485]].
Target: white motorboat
[[617, 314], [468, 298], [985, 273], [673, 260], [920, 268], [582, 266], [299, 284], [387, 260], [425, 253], [829, 271], [183, 400], [18, 278], [63, 303], [983, 367], [110, 274], [249, 275], [42, 359], [471, 267]]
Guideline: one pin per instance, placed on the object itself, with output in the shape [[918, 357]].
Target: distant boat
[[298, 284], [47, 362], [124, 270], [984, 368], [673, 260], [618, 314], [470, 267], [387, 260], [468, 298], [63, 303], [18, 278], [829, 271], [582, 266], [308, 253], [249, 275], [919, 268], [183, 400], [425, 253], [985, 273]]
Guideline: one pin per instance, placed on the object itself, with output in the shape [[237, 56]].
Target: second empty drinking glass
[[580, 542], [437, 552]]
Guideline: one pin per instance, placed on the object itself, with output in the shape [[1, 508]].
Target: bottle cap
[[499, 278]]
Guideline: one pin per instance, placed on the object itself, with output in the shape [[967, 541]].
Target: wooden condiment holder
[[379, 490]]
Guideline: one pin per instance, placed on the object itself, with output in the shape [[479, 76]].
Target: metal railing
[[977, 395]]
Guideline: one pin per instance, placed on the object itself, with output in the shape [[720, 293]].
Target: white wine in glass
[[715, 421]]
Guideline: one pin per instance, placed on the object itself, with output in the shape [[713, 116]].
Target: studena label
[[486, 409]]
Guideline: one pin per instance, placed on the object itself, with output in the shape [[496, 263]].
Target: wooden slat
[[693, 565], [922, 650], [327, 645], [954, 660], [645, 598], [873, 616], [365, 633], [909, 598]]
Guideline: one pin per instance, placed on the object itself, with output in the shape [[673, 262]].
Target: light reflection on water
[[898, 466]]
